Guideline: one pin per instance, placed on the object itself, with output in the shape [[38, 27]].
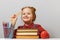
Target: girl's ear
[[34, 17]]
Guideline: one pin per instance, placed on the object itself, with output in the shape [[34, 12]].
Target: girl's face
[[27, 15]]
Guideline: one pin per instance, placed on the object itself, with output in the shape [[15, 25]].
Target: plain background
[[47, 12]]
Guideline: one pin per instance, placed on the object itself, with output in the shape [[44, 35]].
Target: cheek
[[30, 16], [22, 16]]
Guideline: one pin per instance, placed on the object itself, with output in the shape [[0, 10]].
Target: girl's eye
[[23, 14], [28, 13]]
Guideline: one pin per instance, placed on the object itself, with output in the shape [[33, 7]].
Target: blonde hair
[[33, 11]]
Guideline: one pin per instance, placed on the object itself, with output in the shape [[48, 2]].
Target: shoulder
[[14, 33], [19, 27], [38, 25]]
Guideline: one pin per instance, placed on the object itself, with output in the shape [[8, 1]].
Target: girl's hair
[[33, 11]]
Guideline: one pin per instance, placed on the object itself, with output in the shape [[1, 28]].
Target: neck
[[28, 23]]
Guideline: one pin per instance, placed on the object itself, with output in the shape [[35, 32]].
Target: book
[[27, 30], [27, 36], [27, 33]]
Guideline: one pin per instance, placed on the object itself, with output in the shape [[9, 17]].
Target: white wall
[[48, 14]]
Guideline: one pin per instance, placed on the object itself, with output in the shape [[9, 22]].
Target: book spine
[[35, 36], [27, 30], [26, 33]]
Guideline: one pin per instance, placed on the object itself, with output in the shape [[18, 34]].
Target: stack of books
[[27, 33]]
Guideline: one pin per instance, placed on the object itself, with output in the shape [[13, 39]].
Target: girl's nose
[[26, 14]]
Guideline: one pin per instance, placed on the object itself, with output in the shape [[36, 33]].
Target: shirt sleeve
[[14, 33], [42, 32]]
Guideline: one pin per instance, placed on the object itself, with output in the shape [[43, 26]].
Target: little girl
[[28, 16]]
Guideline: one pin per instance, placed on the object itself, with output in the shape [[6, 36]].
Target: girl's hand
[[13, 19], [44, 34]]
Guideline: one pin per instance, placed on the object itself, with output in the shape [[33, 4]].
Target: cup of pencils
[[6, 29]]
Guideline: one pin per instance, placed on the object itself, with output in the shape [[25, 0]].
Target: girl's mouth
[[26, 17]]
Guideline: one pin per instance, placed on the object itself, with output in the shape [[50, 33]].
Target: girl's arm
[[14, 33], [13, 22], [14, 18], [43, 33]]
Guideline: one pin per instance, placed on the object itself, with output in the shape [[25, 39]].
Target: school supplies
[[27, 33], [8, 30]]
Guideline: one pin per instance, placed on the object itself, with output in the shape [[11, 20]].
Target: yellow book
[[26, 33], [27, 30], [27, 36]]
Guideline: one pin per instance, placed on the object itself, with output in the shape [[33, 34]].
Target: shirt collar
[[29, 26]]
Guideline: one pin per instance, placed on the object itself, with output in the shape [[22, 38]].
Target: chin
[[26, 20]]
